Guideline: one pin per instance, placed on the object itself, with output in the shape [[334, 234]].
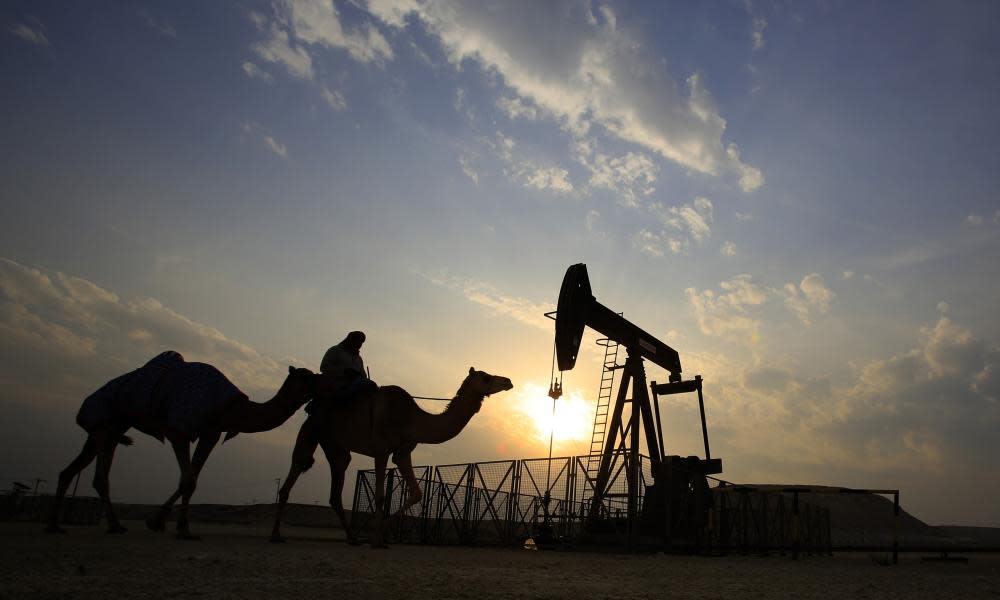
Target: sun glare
[[574, 416]]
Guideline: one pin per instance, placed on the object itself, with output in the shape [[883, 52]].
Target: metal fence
[[507, 502]]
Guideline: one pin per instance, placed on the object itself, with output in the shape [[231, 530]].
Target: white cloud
[[751, 178], [847, 275], [743, 217], [588, 71], [254, 72], [35, 35], [516, 108], [527, 171], [758, 25], [465, 160], [725, 312], [275, 146], [334, 99], [630, 176], [70, 321], [950, 375], [317, 22], [728, 249], [649, 243], [810, 297], [923, 417], [164, 29], [694, 219], [279, 49], [594, 224], [974, 220], [548, 178], [270, 142], [485, 294]]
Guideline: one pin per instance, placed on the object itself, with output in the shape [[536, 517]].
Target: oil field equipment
[[676, 508]]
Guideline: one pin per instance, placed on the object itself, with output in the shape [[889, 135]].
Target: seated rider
[[343, 362]]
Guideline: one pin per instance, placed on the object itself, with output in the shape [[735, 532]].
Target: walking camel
[[179, 401], [377, 425]]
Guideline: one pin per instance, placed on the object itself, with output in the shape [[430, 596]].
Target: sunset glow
[[572, 425]]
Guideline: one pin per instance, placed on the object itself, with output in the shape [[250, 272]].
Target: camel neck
[[245, 416], [442, 427]]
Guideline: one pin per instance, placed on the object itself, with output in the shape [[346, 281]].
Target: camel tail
[[125, 440], [230, 435]]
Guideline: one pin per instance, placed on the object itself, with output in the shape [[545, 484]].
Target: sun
[[574, 417]]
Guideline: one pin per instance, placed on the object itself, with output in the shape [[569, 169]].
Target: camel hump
[[395, 396], [166, 360]]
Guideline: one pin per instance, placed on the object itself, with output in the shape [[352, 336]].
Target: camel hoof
[[54, 529], [354, 541], [116, 529], [277, 539], [156, 525]]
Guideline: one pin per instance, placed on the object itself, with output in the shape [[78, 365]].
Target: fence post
[[895, 528], [795, 524]]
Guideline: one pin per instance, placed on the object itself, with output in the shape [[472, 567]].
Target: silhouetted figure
[[390, 422], [344, 359], [181, 402], [344, 365]]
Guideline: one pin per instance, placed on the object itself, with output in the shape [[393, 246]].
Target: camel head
[[303, 385], [481, 384]]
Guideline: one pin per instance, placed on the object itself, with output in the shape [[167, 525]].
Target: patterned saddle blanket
[[165, 392]]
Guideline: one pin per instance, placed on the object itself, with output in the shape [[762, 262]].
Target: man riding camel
[[343, 362]]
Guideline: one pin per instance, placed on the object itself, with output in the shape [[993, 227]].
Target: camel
[[179, 401], [377, 425]]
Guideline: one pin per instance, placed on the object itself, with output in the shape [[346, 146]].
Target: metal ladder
[[603, 405]]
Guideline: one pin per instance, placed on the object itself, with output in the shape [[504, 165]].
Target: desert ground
[[236, 561]]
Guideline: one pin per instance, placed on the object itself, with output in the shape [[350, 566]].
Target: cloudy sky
[[800, 197]]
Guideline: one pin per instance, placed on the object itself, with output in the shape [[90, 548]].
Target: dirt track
[[238, 562]]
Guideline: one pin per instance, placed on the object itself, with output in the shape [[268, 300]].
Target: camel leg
[[66, 476], [106, 442], [339, 459], [182, 451], [302, 459], [405, 465], [206, 443], [381, 461]]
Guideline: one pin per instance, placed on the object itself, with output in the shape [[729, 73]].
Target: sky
[[800, 197]]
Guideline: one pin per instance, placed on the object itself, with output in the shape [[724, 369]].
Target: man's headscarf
[[353, 340]]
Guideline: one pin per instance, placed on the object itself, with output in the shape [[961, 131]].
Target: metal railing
[[506, 502]]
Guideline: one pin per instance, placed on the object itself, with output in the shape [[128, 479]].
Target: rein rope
[[488, 386]]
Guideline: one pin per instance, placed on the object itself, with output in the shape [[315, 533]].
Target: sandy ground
[[237, 562]]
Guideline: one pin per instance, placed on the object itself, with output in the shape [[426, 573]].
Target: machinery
[[675, 508]]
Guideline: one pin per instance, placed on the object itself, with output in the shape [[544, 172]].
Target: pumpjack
[[674, 509]]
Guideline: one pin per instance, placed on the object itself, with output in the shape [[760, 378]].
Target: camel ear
[[291, 369], [471, 370]]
